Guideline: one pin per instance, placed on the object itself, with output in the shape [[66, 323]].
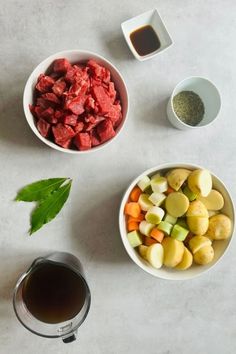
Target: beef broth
[[54, 293]]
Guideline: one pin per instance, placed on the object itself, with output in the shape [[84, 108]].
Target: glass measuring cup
[[65, 329]]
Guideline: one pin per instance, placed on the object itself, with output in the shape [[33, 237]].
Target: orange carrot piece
[[148, 241], [158, 235], [138, 219], [169, 190], [132, 225], [132, 209], [135, 193]]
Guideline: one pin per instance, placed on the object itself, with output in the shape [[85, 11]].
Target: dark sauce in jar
[[145, 40]]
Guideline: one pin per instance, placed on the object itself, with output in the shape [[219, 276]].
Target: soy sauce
[[54, 293], [145, 40]]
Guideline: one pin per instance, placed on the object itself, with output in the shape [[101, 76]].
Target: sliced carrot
[[134, 195], [132, 209], [138, 219], [169, 190], [148, 241], [158, 235], [132, 225]]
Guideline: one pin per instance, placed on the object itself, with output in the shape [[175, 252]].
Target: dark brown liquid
[[145, 40], [53, 293]]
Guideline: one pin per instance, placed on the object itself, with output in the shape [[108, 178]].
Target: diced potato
[[176, 204], [187, 260], [155, 255], [200, 182], [204, 256], [197, 242], [173, 251], [197, 208], [219, 227], [198, 225], [177, 177], [214, 200]]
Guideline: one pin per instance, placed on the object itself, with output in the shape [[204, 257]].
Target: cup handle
[[70, 337]]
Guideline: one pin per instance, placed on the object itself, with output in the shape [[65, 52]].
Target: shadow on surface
[[13, 125], [118, 48], [99, 239]]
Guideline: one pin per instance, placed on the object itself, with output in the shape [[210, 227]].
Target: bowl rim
[[174, 92], [31, 123], [123, 235]]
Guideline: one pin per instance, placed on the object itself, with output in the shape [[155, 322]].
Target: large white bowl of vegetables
[[176, 220]]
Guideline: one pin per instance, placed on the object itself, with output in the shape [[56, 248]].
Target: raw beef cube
[[79, 88], [102, 98], [51, 97], [44, 83], [61, 65], [105, 130], [114, 113], [89, 103], [82, 141], [59, 87], [112, 91], [38, 111], [47, 113], [41, 102], [59, 115], [106, 75], [95, 67], [62, 133], [70, 119], [79, 127], [43, 127], [65, 143], [93, 122], [76, 105], [94, 138]]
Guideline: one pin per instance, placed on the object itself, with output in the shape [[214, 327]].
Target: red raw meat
[[61, 65], [51, 97], [59, 87], [102, 99], [43, 127], [78, 103], [62, 133], [82, 141], [79, 127], [44, 83], [70, 119], [105, 130], [114, 113]]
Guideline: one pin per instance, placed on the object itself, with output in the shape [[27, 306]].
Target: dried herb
[[189, 107]]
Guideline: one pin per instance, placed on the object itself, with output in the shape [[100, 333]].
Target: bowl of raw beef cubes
[[76, 101]]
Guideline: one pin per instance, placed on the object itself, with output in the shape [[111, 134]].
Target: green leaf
[[39, 190], [50, 207]]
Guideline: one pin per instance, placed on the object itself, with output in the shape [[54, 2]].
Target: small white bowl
[[209, 95], [74, 56], [220, 247], [153, 19]]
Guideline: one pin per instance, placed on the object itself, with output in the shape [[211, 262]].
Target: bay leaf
[[50, 207], [39, 190]]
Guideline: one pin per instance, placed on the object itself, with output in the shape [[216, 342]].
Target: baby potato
[[177, 177], [214, 200], [176, 204], [173, 251], [197, 208], [197, 242], [219, 227], [204, 256], [143, 251], [198, 225], [200, 182], [187, 260]]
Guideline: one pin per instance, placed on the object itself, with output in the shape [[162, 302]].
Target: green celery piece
[[50, 207], [39, 190]]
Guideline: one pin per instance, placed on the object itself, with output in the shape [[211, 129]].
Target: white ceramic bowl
[[153, 19], [209, 95], [74, 56], [220, 247]]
